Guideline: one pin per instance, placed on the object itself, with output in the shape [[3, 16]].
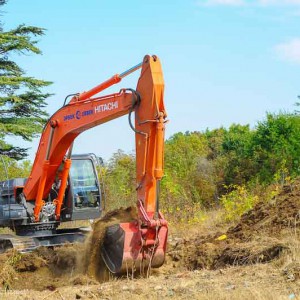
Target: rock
[[230, 287]]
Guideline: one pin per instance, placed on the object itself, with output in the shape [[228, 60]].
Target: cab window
[[84, 184]]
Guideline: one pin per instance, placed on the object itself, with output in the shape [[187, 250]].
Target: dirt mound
[[255, 239], [271, 218], [42, 269], [29, 263]]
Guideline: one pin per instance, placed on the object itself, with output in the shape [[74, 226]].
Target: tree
[[237, 151], [189, 175], [275, 146], [22, 103], [120, 180], [11, 168]]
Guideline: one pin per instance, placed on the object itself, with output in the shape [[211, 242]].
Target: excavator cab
[[82, 201], [83, 197]]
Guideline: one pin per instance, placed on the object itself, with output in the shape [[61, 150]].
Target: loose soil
[[256, 258]]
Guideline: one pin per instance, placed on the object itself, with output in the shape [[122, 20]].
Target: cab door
[[83, 199]]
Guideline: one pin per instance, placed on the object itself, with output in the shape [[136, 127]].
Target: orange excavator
[[64, 187]]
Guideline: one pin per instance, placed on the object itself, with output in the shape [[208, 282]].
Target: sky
[[224, 61]]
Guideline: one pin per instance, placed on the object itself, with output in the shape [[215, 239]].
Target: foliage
[[189, 213], [237, 202], [236, 146], [276, 146], [22, 103], [118, 177], [242, 155], [189, 175], [10, 168]]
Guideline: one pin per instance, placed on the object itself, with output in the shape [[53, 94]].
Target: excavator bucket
[[128, 248]]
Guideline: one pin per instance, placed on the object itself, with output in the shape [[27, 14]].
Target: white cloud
[[289, 51]]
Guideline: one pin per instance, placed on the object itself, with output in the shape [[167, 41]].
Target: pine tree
[[22, 102]]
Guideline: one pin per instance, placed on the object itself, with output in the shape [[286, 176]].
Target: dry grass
[[8, 273], [6, 231], [251, 282], [211, 223]]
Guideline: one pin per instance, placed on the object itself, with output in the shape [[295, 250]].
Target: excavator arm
[[84, 112]]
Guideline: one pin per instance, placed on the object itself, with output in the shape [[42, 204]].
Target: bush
[[237, 202]]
